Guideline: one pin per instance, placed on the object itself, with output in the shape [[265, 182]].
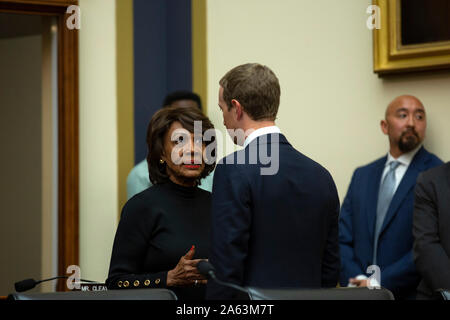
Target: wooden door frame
[[68, 143]]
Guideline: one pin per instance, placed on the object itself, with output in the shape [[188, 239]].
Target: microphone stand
[[234, 286], [28, 284]]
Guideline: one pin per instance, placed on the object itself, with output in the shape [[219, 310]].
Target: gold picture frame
[[392, 56]]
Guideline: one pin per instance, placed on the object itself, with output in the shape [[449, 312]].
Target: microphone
[[25, 285], [208, 270], [28, 284]]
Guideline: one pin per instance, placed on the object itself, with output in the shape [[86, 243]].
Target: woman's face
[[183, 155]]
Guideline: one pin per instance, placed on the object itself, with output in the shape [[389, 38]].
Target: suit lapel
[[372, 196], [416, 166]]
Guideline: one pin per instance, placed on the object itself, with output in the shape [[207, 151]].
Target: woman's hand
[[185, 273]]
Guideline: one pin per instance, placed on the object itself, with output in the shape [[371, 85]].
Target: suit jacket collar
[[408, 182], [417, 165], [404, 159], [269, 138]]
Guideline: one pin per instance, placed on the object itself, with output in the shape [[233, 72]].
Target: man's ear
[[237, 109], [384, 126]]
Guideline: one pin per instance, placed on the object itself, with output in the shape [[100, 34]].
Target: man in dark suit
[[431, 230], [375, 224], [274, 210]]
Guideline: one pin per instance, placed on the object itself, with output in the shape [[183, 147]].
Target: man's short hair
[[182, 95], [256, 88]]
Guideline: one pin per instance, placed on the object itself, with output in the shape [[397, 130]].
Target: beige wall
[[331, 101], [98, 137]]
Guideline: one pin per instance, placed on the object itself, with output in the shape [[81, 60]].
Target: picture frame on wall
[[414, 35]]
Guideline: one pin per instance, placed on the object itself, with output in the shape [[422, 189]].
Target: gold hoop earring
[[161, 161]]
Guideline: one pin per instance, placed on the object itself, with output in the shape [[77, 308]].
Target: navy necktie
[[385, 195]]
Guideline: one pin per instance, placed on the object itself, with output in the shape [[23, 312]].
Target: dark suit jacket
[[431, 229], [273, 231], [357, 226]]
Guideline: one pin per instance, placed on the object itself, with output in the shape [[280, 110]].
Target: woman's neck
[[183, 182]]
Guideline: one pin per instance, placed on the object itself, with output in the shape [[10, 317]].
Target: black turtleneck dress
[[157, 227]]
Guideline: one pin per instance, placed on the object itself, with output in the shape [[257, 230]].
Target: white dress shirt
[[260, 132], [405, 160]]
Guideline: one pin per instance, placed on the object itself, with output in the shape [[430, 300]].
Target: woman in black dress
[[164, 231]]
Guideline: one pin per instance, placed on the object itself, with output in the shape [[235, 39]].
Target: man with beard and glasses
[[375, 223]]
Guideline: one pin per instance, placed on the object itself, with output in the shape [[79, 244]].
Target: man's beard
[[409, 143]]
